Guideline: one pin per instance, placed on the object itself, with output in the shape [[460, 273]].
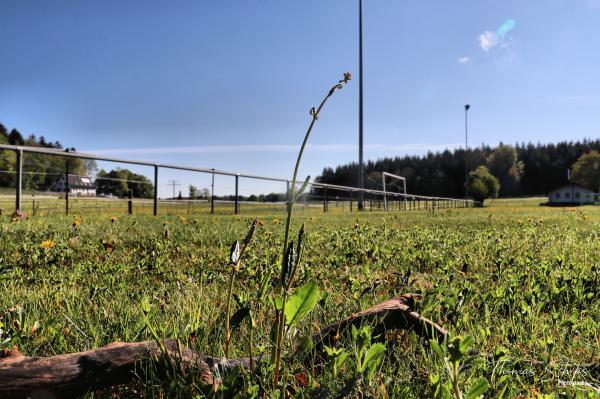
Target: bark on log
[[393, 314], [71, 375]]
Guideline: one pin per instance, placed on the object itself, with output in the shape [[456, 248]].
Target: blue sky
[[228, 84]]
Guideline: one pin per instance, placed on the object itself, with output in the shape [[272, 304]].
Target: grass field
[[54, 204], [519, 279]]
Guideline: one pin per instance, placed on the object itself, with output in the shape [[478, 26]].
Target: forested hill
[[527, 169], [40, 171]]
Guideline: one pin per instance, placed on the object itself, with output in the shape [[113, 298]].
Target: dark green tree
[[481, 184], [15, 137], [504, 164], [586, 171], [119, 182]]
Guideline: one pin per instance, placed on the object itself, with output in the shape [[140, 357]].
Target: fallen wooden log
[[73, 374], [394, 314]]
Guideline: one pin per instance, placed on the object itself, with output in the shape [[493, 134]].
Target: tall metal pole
[[467, 107], [155, 210], [174, 183], [361, 165], [19, 179]]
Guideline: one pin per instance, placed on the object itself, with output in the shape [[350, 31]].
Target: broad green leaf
[[277, 303], [372, 358], [341, 359], [301, 303], [465, 343], [477, 388], [437, 348]]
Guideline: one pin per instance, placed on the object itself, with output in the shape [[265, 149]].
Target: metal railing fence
[[321, 194]]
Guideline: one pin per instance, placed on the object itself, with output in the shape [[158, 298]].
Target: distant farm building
[[78, 185], [572, 193]]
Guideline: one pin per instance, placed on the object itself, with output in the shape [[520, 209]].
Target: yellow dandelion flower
[[48, 244], [113, 219]]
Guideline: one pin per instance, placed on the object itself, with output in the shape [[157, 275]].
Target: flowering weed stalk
[[235, 257], [289, 259]]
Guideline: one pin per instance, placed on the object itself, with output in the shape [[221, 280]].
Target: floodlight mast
[[467, 107], [383, 175], [361, 165]]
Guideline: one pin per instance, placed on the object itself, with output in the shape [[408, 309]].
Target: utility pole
[[467, 107], [361, 165], [173, 183]]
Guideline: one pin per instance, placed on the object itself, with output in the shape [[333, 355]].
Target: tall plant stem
[[235, 269], [280, 316], [227, 320], [250, 345]]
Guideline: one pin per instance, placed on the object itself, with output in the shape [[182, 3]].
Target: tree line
[[41, 171], [522, 170]]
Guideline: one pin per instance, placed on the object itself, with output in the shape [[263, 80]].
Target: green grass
[[520, 279], [50, 205]]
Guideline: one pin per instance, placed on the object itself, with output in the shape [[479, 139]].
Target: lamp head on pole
[[467, 107]]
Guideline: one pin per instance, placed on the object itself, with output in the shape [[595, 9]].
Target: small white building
[[78, 185], [572, 193]]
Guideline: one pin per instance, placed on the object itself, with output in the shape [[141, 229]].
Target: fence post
[[19, 179], [351, 200], [67, 188], [287, 191], [325, 199], [130, 203], [155, 196], [237, 198], [212, 194]]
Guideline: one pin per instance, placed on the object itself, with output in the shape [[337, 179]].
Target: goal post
[[383, 176]]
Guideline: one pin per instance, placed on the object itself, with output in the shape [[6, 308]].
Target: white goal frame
[[383, 176]]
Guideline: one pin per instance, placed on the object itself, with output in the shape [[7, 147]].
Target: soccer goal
[[383, 176]]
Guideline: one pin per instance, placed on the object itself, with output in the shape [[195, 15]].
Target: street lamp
[[467, 107], [361, 165]]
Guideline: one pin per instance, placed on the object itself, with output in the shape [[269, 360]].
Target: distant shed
[[572, 193]]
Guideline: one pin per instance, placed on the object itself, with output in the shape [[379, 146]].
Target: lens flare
[[506, 27]]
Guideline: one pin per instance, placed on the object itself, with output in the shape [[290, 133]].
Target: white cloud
[[489, 40], [464, 60]]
